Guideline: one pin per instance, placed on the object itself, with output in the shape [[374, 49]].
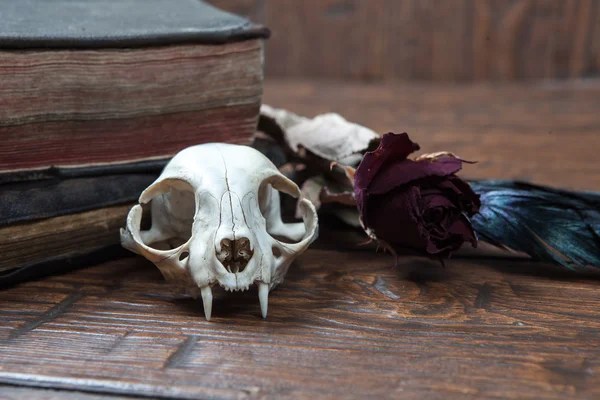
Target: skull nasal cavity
[[235, 254]]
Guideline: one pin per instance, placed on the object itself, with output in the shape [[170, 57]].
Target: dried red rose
[[420, 205]]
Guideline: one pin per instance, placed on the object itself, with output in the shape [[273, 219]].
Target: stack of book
[[95, 98]]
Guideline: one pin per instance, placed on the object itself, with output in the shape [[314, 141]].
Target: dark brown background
[[440, 40]]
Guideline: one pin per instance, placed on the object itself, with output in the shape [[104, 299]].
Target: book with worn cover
[[96, 96], [107, 82]]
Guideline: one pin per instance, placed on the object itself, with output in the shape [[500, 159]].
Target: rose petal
[[397, 219], [431, 198], [462, 226], [400, 173], [392, 147], [469, 200], [459, 193], [460, 231]]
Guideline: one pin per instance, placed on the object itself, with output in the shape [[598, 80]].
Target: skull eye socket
[[278, 203], [286, 208], [172, 209]]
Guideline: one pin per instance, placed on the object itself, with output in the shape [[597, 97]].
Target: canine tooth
[[263, 298], [207, 299]]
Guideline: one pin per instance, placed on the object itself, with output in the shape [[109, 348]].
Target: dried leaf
[[319, 144], [271, 149], [346, 198], [349, 171], [441, 154], [311, 190], [348, 215], [315, 190], [328, 136]]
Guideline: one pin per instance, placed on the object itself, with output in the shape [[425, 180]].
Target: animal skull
[[216, 219]]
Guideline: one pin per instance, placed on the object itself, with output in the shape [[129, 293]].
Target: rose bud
[[414, 204]]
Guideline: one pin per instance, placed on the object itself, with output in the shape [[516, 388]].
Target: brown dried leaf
[[311, 190], [329, 136], [348, 215], [349, 171], [346, 198], [440, 154], [436, 156]]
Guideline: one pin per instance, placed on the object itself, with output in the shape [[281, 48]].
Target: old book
[[60, 237], [95, 97], [112, 82], [22, 202], [46, 221]]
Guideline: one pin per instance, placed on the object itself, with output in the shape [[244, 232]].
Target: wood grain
[[459, 40], [543, 133], [20, 393], [342, 324]]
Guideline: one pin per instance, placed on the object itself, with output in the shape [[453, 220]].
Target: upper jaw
[[235, 281], [219, 275], [263, 299]]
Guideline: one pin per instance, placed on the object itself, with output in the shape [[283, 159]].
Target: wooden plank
[[342, 324], [544, 133], [459, 40], [19, 393]]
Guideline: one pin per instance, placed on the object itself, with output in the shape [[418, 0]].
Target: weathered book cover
[[88, 83]]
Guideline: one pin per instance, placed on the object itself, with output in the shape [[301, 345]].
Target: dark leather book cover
[[22, 202], [118, 23]]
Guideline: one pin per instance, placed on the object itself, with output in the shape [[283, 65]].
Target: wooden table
[[345, 323]]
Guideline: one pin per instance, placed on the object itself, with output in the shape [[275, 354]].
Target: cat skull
[[216, 220]]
